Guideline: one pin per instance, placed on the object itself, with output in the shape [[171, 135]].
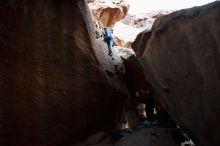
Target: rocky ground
[[142, 136]]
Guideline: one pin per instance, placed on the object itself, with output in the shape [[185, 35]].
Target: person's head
[[158, 107], [111, 30], [142, 118], [141, 92], [105, 29], [137, 93], [108, 29]]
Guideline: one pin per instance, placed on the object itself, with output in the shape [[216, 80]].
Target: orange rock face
[[121, 43], [109, 12]]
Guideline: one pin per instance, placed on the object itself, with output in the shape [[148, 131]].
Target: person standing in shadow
[[149, 105]]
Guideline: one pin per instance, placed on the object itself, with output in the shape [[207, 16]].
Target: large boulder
[[108, 12], [181, 59], [53, 85]]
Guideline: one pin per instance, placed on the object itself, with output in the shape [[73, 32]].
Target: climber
[[161, 118], [140, 99], [145, 99], [149, 102], [109, 38]]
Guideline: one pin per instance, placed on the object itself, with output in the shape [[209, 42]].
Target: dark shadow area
[[135, 78]]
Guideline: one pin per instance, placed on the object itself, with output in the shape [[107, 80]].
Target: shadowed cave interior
[[60, 87]]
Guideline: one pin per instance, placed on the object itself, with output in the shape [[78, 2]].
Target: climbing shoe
[[110, 54]]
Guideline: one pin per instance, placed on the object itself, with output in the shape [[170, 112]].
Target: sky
[[142, 6]]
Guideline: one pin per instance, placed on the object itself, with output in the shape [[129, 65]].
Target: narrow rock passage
[[59, 87], [142, 135]]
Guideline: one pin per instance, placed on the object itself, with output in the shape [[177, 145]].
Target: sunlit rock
[[108, 12], [128, 28]]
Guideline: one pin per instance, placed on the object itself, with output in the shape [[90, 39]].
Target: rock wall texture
[[52, 83], [181, 58], [145, 20], [108, 12], [129, 27], [134, 75], [122, 43]]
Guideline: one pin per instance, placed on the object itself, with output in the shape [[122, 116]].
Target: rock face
[[52, 82], [128, 28], [90, 1], [122, 43], [108, 12], [181, 58], [145, 20]]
